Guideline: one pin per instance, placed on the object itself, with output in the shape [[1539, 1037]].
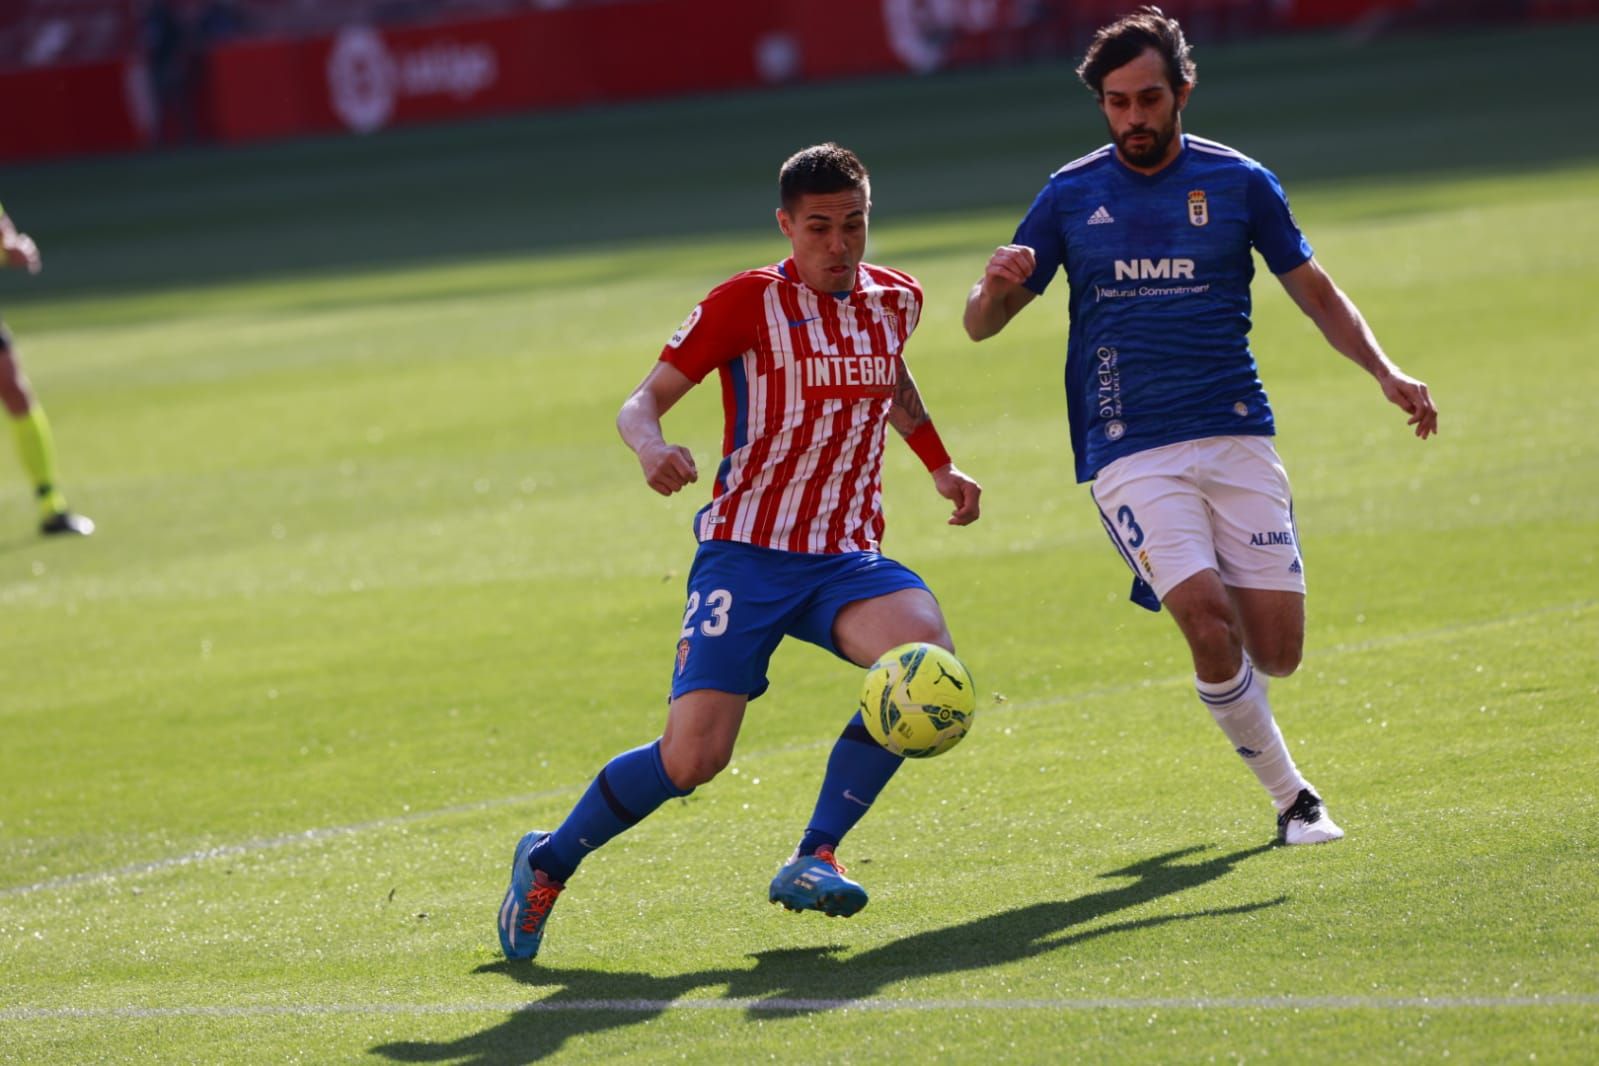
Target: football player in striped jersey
[[809, 353]]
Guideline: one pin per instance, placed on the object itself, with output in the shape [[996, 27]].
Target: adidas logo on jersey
[[1100, 216]]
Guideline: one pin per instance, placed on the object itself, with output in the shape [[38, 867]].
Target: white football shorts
[[1217, 503]]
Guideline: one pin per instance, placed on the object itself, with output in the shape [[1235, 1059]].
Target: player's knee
[[1211, 633], [1276, 650], [701, 770], [694, 767], [16, 401], [1278, 661], [931, 631], [14, 395], [905, 629]]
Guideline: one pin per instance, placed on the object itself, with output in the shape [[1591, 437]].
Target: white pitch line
[[306, 836], [314, 836], [556, 1005]]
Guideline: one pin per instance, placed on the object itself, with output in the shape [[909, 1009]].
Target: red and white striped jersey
[[807, 378]]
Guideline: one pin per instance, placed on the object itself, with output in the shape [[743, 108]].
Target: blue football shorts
[[743, 600]]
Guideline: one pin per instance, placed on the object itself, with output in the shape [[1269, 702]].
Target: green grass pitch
[[376, 589]]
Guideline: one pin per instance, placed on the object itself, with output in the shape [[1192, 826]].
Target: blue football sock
[[626, 790], [857, 770]]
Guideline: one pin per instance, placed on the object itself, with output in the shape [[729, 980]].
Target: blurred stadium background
[[123, 75]]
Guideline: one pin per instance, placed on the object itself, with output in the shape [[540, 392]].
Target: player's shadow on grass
[[802, 980], [797, 980]]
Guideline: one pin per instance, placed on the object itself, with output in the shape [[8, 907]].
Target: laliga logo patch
[[687, 327], [363, 81], [1198, 210], [682, 656]]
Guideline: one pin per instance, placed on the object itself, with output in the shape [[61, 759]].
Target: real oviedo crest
[[1198, 210]]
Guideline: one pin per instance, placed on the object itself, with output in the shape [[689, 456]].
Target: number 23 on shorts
[[719, 602]]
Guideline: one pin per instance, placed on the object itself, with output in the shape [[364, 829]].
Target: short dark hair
[[1125, 40], [821, 168]]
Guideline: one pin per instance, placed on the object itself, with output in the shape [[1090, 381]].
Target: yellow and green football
[[918, 700]]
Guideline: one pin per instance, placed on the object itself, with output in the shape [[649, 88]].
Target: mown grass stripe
[[556, 1005], [317, 836]]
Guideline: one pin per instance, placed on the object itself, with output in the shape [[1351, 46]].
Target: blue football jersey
[[1159, 267]]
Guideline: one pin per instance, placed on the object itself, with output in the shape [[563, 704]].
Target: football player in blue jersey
[[1168, 417]]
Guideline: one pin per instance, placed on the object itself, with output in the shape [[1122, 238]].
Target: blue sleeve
[[1041, 232], [1272, 228]]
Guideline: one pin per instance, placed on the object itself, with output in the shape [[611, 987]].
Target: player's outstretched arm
[[19, 249], [999, 296], [1341, 322], [667, 467], [908, 415]]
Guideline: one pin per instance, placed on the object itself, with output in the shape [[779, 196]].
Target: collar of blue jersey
[[1159, 175]]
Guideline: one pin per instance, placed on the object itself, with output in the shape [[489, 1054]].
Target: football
[[918, 700]]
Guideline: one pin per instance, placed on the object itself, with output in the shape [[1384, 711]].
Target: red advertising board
[[365, 78], [57, 111]]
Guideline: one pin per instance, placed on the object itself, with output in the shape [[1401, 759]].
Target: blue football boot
[[817, 883], [527, 902]]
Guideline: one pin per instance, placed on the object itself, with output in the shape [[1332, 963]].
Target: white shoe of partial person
[[1306, 821]]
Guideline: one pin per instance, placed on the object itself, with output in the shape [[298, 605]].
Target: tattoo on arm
[[907, 411]]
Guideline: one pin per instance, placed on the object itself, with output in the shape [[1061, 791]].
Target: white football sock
[[1240, 707]]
